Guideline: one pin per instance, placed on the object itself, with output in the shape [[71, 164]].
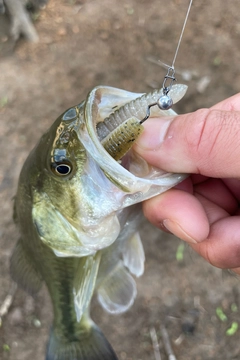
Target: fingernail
[[154, 132], [176, 229]]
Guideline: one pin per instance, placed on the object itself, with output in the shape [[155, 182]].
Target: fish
[[78, 210]]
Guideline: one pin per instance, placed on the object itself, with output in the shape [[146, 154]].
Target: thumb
[[203, 142]]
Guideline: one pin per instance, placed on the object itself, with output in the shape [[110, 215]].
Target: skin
[[204, 209]]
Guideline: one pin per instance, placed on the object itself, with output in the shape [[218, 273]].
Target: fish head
[[80, 191], [59, 160], [70, 207]]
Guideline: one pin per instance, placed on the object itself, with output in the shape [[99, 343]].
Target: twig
[[7, 302], [20, 21], [153, 335], [179, 340], [167, 344]]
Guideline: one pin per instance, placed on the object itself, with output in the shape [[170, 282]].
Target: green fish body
[[78, 213]]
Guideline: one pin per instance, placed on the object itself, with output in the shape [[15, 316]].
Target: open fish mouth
[[105, 110]]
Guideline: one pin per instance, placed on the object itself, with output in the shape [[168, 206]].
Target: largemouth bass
[[78, 213]]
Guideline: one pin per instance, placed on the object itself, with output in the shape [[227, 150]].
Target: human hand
[[204, 209]]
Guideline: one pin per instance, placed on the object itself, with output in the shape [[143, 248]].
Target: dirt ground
[[88, 43]]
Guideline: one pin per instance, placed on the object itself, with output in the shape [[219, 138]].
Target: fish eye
[[61, 168]]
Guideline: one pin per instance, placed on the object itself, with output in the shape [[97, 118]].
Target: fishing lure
[[119, 131]]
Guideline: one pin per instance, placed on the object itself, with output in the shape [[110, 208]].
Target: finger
[[230, 104], [213, 211], [222, 247], [180, 212], [185, 185], [204, 142], [185, 215], [218, 193], [197, 179], [233, 186]]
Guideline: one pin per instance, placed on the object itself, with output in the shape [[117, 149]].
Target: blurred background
[[117, 43]]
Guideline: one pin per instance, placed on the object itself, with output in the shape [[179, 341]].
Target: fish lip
[[88, 136]]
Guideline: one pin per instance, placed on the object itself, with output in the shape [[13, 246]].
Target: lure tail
[[91, 346]]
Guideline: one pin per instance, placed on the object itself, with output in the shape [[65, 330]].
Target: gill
[[120, 138]]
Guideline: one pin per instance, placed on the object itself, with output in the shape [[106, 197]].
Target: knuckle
[[209, 128], [211, 133]]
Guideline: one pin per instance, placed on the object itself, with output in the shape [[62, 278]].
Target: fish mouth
[[132, 174]]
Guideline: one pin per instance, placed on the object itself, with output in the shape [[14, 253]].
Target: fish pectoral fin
[[84, 282], [54, 230], [133, 255], [92, 345], [117, 291], [23, 270]]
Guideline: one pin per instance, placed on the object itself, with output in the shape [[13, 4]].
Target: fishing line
[[181, 35], [165, 102]]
